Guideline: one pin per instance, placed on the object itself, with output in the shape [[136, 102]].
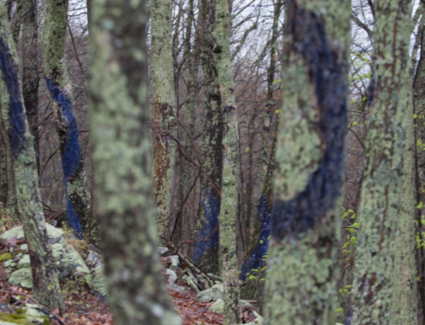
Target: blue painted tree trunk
[[46, 287], [70, 150], [209, 233], [257, 259]]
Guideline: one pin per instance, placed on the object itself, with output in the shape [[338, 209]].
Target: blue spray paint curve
[[70, 150], [17, 127], [327, 71], [256, 260], [212, 209]]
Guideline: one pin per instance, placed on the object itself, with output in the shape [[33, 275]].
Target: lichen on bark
[[78, 208], [229, 191], [121, 153], [303, 254], [206, 252], [382, 188], [46, 284]]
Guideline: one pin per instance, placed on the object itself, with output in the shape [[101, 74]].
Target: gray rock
[[76, 261], [22, 278], [93, 259], [52, 232], [258, 319], [34, 315], [172, 276], [175, 287], [175, 261], [24, 247], [24, 262], [212, 294], [162, 250], [217, 307], [66, 258], [96, 280]]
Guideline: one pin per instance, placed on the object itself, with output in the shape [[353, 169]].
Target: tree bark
[[229, 191], [206, 252], [382, 187], [78, 209], [30, 63], [45, 280], [302, 260], [165, 122], [121, 153]]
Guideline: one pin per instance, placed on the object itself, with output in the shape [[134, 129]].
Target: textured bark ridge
[[325, 123], [120, 138], [45, 279], [165, 123], [229, 192], [381, 220], [212, 147], [303, 252], [78, 209]]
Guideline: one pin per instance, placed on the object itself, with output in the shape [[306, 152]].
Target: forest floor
[[84, 307]]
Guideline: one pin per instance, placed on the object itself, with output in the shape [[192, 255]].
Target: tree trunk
[[78, 208], [259, 242], [187, 174], [382, 189], [30, 63], [404, 308], [121, 153], [165, 123], [229, 190], [302, 265], [45, 280], [206, 252], [419, 111]]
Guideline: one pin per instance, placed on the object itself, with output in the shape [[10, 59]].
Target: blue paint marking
[[256, 260], [212, 209], [326, 70], [17, 127], [70, 150], [348, 319]]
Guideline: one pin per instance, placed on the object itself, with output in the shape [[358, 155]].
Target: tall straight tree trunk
[[206, 252], [187, 176], [302, 265], [165, 122], [3, 167], [30, 63], [121, 152], [382, 188], [6, 161], [258, 244], [404, 308], [229, 190], [419, 111], [45, 280], [78, 210]]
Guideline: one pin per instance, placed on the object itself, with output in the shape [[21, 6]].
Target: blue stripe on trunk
[[256, 260], [212, 210], [70, 150], [17, 127]]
